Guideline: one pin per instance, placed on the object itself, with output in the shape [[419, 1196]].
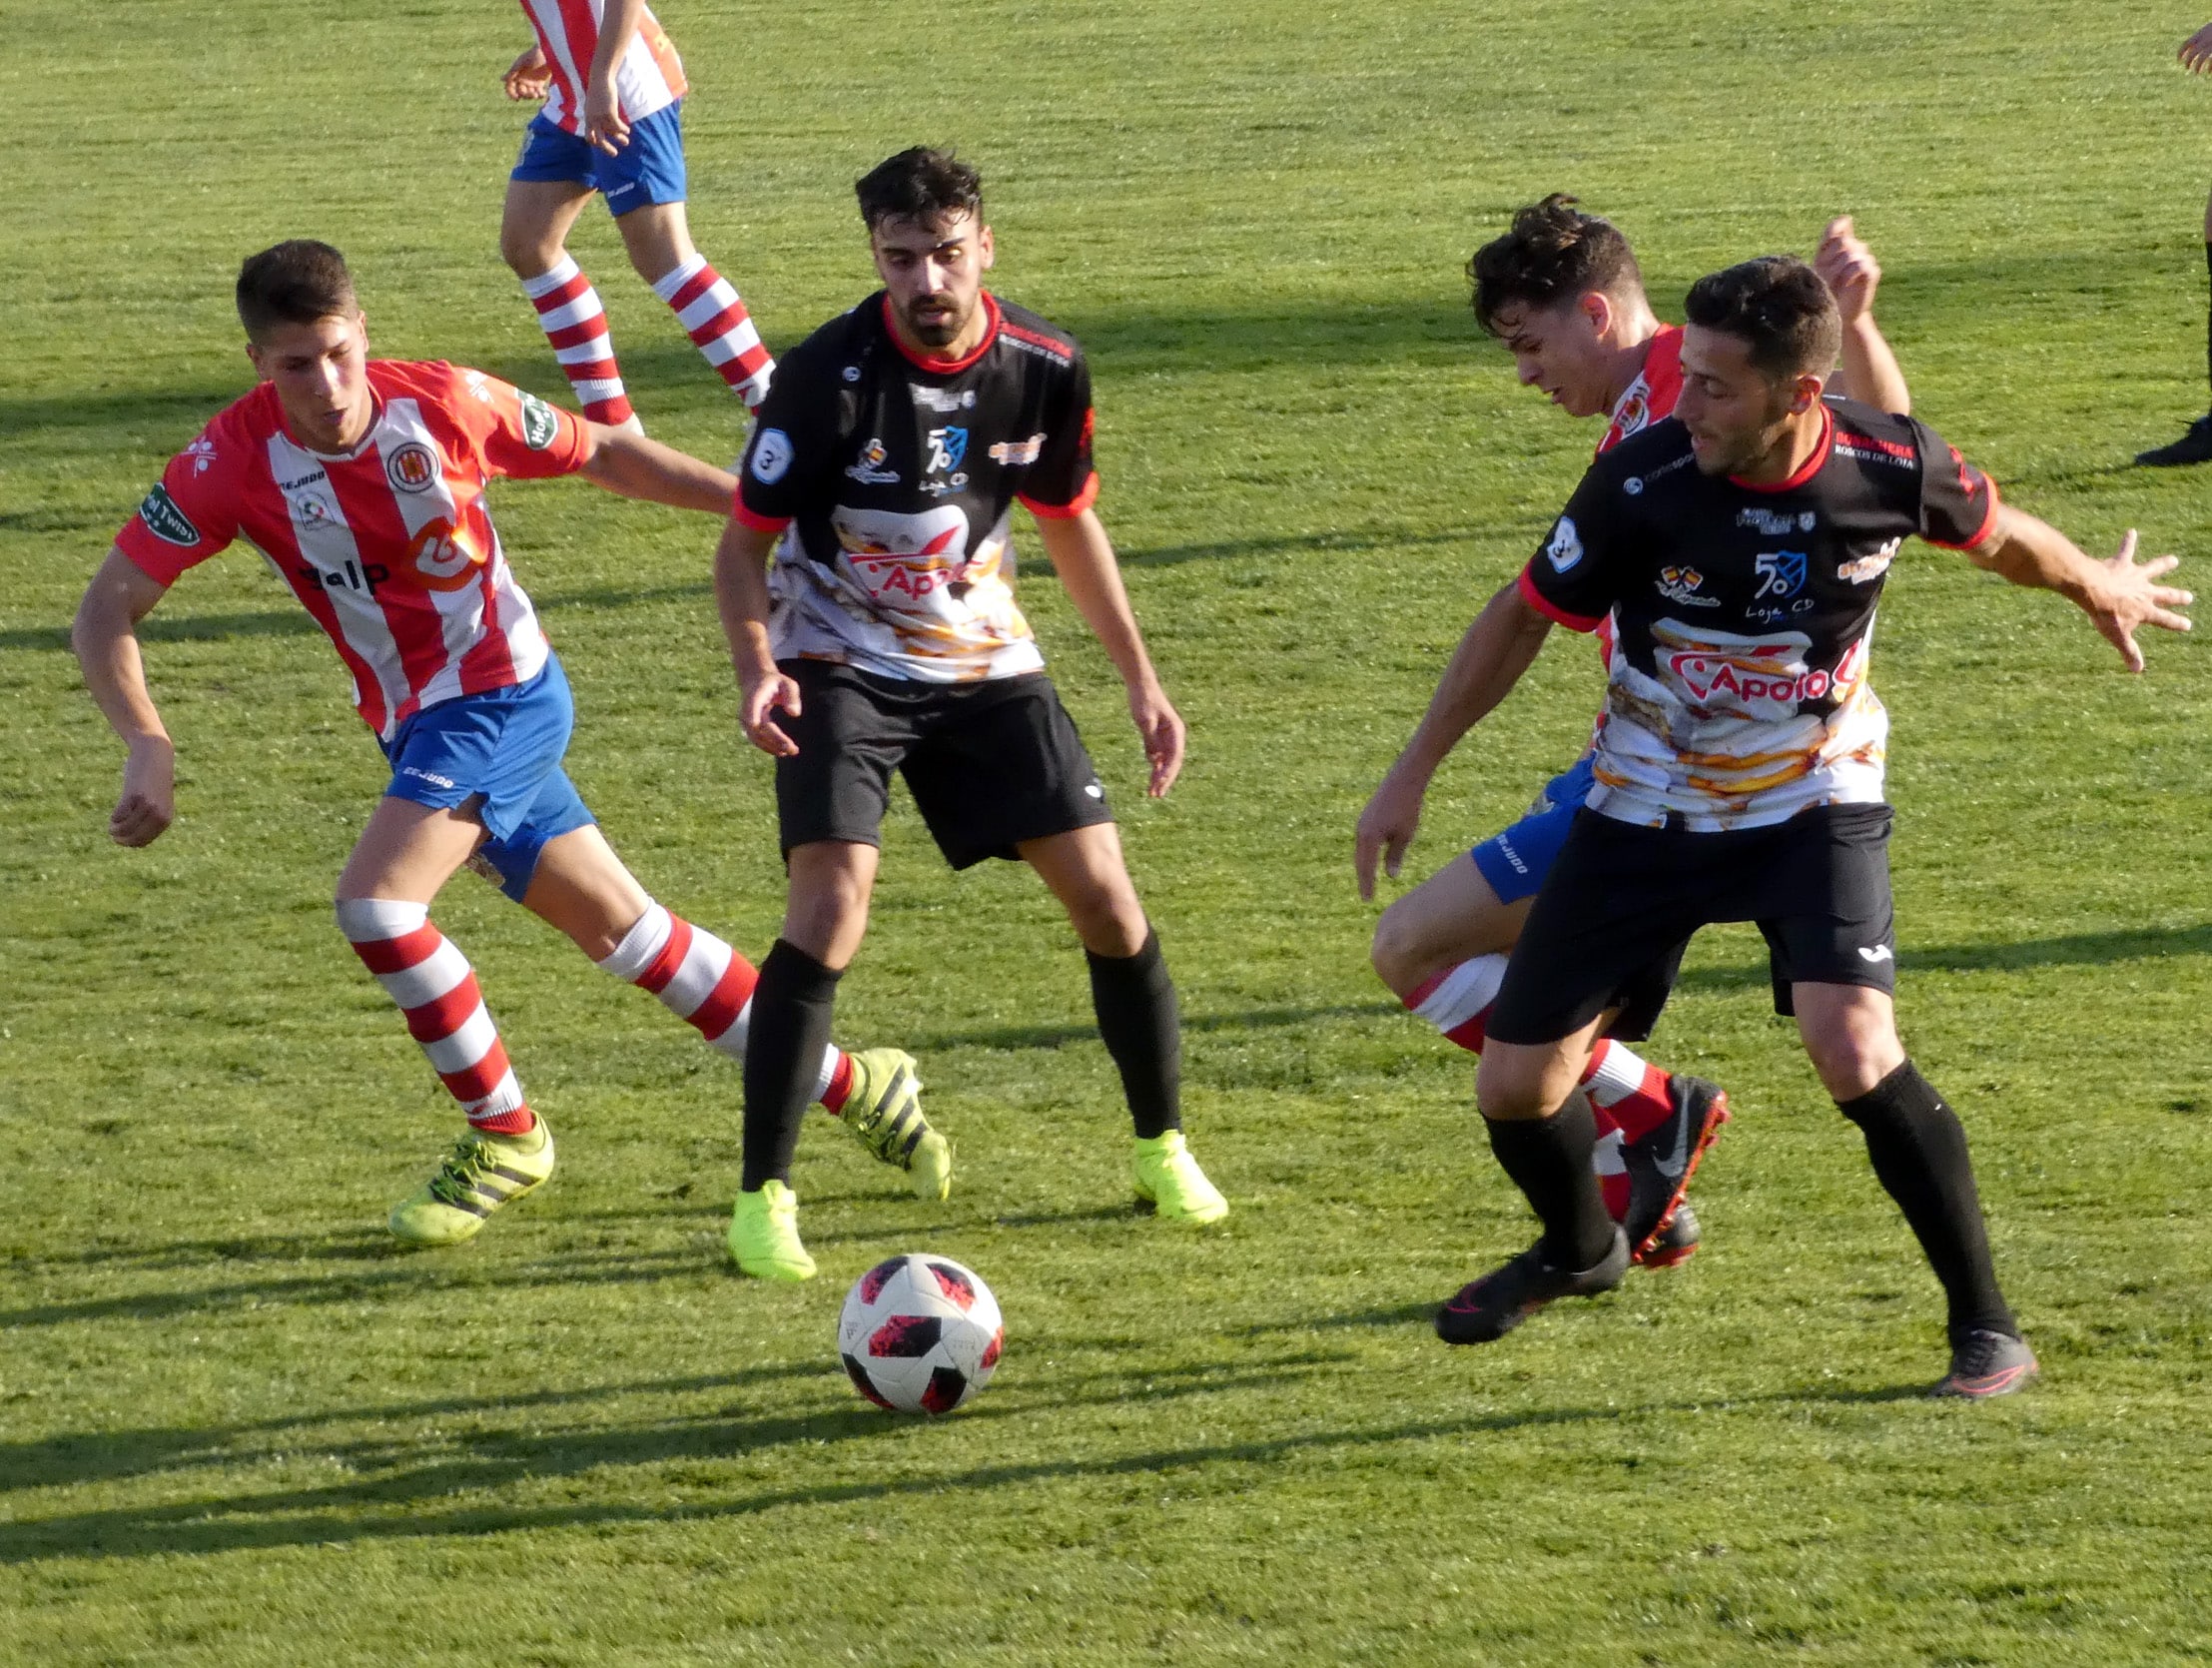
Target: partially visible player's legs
[[825, 918], [574, 881], [704, 302], [2195, 444], [1441, 947], [1918, 1151], [533, 237], [404, 856], [1134, 1001]]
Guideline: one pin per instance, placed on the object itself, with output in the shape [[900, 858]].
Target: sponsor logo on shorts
[[1094, 790], [165, 520], [411, 468], [1015, 453], [1865, 569], [869, 472], [430, 776], [540, 426], [1565, 549], [1681, 584], [1880, 953], [1506, 851], [771, 455]]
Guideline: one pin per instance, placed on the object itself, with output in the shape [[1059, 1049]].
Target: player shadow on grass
[[1998, 955], [1014, 1037]]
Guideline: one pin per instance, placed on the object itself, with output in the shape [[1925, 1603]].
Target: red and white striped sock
[[708, 308], [1457, 1001], [1628, 1095], [569, 313], [709, 986], [436, 989]]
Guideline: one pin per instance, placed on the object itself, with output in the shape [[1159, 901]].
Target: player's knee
[[1396, 949], [527, 252], [1109, 920], [1509, 1089], [1852, 1052]]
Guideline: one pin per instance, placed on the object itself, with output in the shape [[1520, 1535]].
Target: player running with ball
[[1740, 548], [362, 481], [1563, 291], [886, 460]]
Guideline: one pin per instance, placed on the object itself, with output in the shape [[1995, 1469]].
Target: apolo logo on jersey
[[1781, 573], [166, 521], [411, 468], [947, 447], [540, 426]]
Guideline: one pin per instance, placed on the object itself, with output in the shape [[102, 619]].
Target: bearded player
[[1563, 291], [880, 481], [362, 483]]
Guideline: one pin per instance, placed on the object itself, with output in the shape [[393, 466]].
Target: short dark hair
[[920, 185], [1552, 254], [295, 283], [1778, 306]]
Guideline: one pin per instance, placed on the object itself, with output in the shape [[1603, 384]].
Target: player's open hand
[[528, 77], [2136, 599], [1848, 269], [148, 802], [604, 127], [1161, 729], [2196, 52], [773, 694], [1386, 828]]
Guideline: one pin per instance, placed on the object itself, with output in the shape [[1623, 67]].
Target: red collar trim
[[1805, 470], [931, 363]]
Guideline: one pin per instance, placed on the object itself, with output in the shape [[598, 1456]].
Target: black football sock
[[1918, 1149], [784, 1039], [1142, 1029], [1548, 1160]]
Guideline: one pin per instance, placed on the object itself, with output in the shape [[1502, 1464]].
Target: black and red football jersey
[[1738, 692], [892, 476]]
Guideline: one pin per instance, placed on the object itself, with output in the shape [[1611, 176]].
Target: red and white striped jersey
[[1642, 402], [390, 547], [648, 77]]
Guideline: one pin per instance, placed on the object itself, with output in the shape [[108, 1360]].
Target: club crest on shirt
[[869, 472], [1681, 584], [1781, 573], [411, 468]]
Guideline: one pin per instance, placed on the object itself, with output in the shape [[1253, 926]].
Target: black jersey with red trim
[[891, 477], [1738, 693]]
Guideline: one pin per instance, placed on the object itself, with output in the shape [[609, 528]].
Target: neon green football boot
[[483, 1173], [1169, 1179], [764, 1234], [884, 1112]]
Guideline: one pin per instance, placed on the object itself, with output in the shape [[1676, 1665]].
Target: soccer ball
[[919, 1334]]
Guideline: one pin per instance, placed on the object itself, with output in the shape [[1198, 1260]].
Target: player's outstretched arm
[[105, 637], [2196, 52], [741, 595], [1082, 556], [605, 126], [629, 464], [528, 77], [1869, 372], [1489, 661], [2117, 594]]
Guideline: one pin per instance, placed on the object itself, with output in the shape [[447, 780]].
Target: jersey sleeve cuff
[[1553, 611], [1074, 507], [770, 525], [164, 567], [1981, 533]]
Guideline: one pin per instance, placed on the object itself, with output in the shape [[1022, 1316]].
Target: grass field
[[237, 1427]]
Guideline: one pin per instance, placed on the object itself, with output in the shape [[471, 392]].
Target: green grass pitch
[[237, 1427]]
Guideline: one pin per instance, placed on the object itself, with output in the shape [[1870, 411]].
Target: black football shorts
[[989, 763], [1620, 898]]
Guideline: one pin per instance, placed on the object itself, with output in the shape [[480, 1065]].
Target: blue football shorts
[[499, 754], [649, 168], [1516, 860]]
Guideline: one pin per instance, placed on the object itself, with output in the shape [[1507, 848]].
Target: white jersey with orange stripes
[[390, 545], [648, 77]]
